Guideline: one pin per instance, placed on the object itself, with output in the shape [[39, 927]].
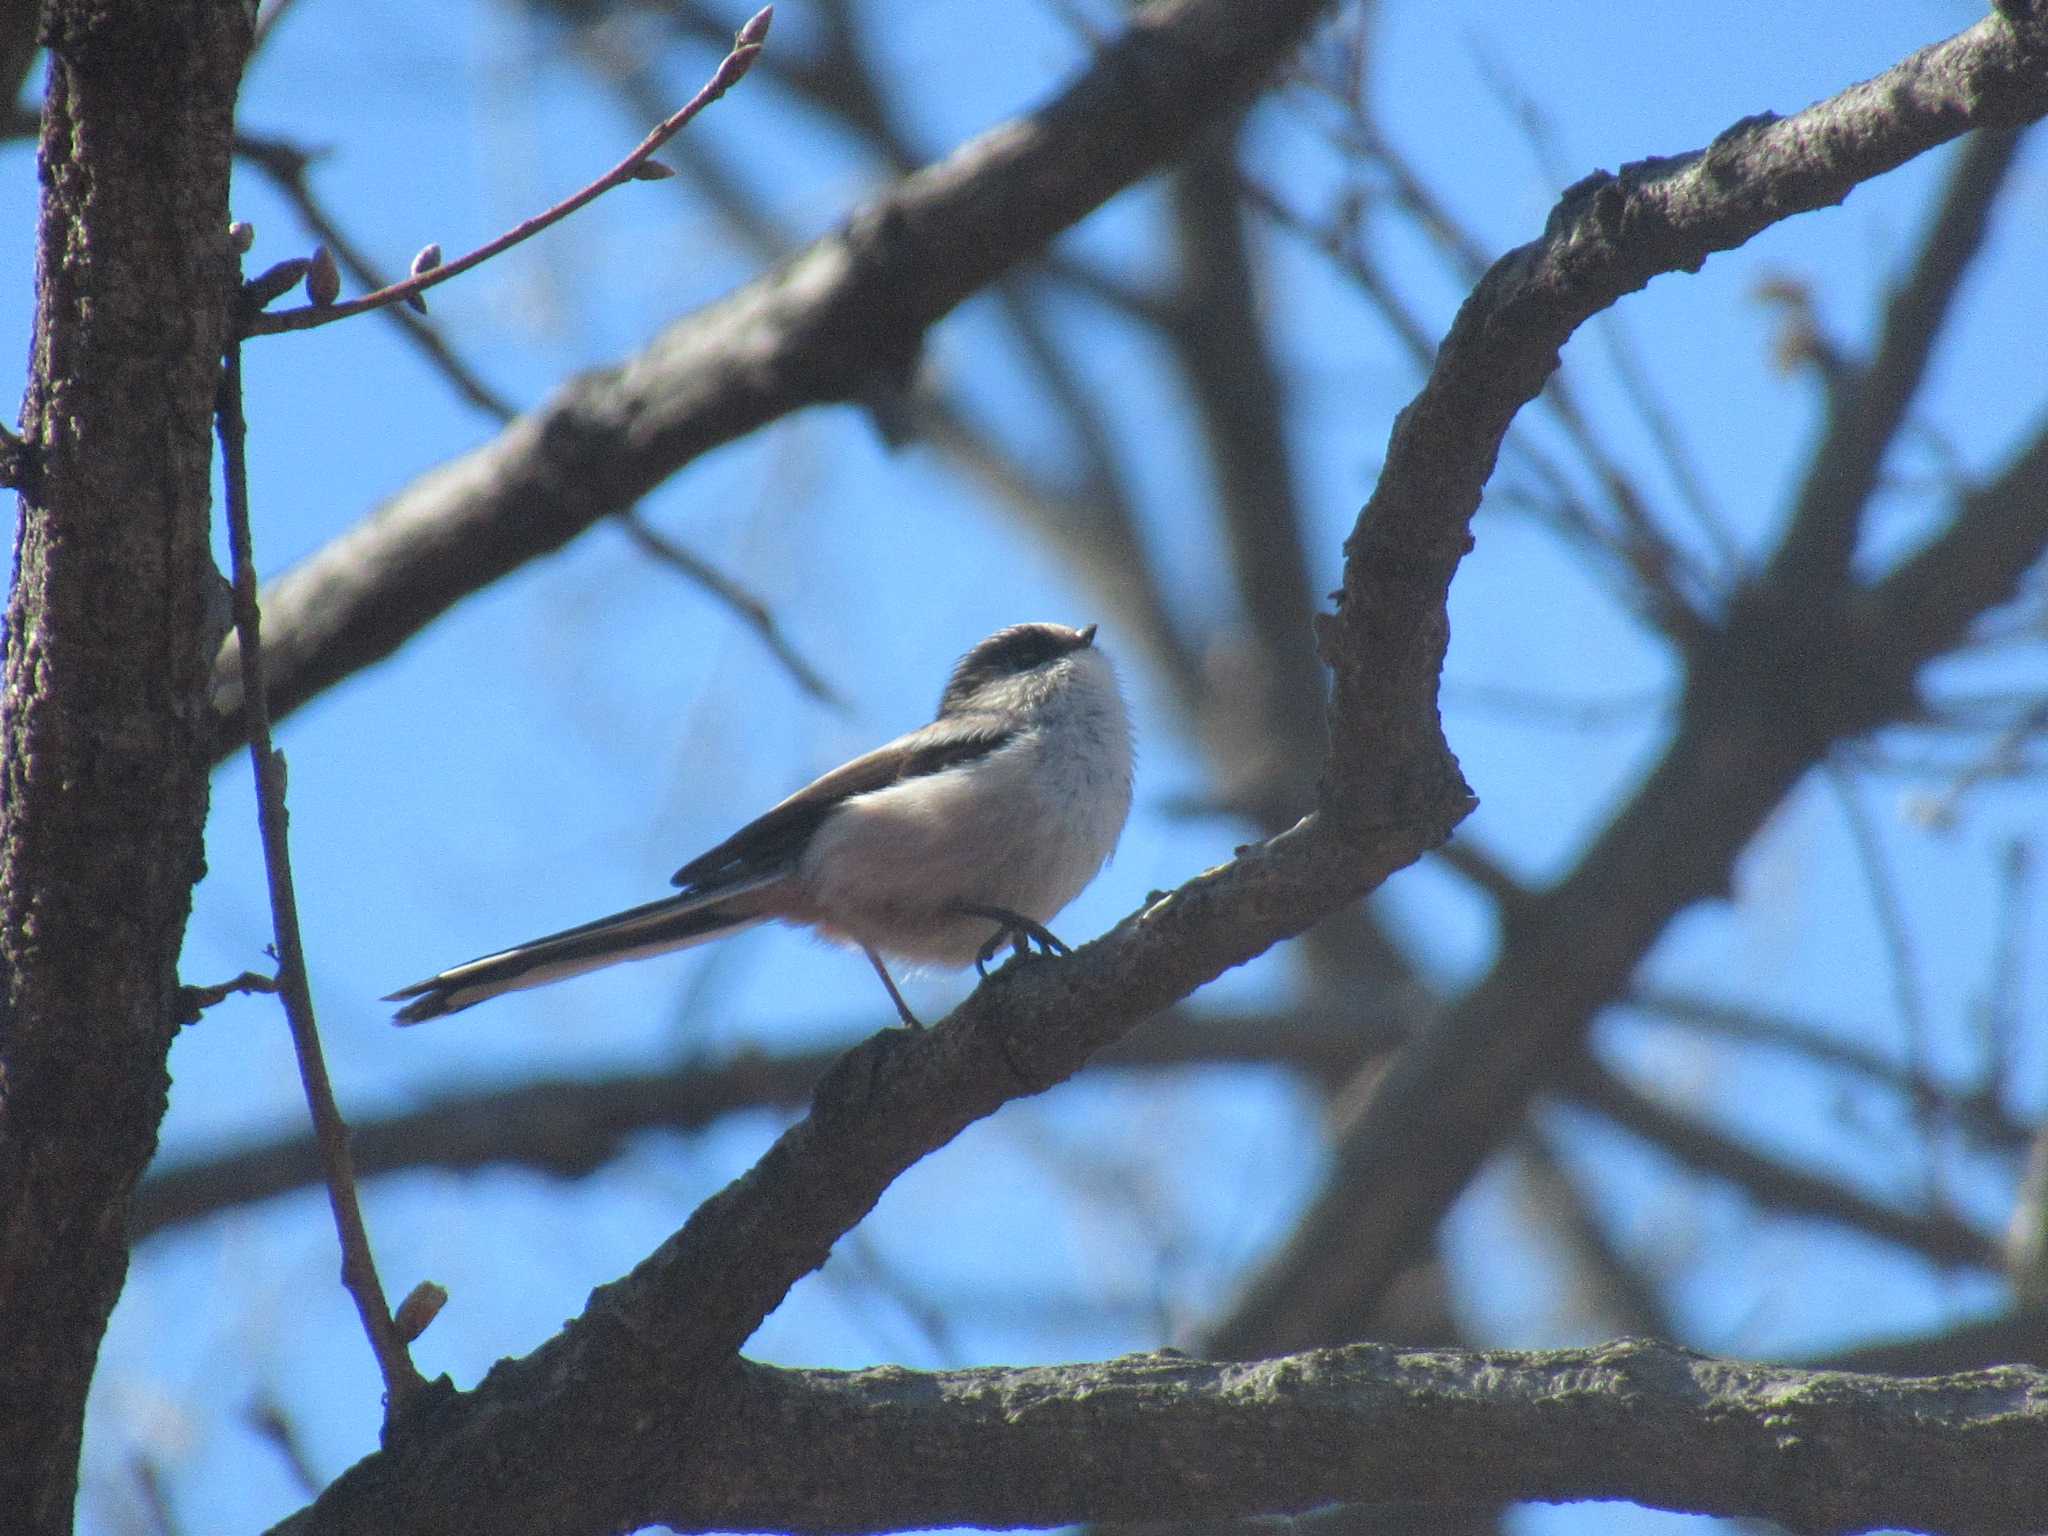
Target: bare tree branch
[[1226, 357], [2019, 1337], [659, 1346], [1976, 1112], [880, 1108], [1868, 406], [1158, 1437], [572, 1127], [1792, 670], [852, 307], [738, 601], [1937, 1235]]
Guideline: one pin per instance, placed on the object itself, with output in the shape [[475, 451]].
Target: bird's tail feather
[[675, 923]]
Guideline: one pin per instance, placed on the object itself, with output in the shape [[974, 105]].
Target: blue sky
[[554, 747]]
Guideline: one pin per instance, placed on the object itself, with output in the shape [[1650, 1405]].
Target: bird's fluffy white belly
[[1022, 829]]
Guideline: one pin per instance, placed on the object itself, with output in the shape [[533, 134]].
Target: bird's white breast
[[1024, 828]]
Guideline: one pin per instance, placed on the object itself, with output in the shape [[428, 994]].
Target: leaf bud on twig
[[421, 1306], [428, 259], [323, 278]]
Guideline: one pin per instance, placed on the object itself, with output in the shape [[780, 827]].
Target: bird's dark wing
[[773, 840]]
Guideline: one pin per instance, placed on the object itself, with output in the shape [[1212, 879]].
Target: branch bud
[[274, 281], [420, 1307], [323, 278], [428, 259]]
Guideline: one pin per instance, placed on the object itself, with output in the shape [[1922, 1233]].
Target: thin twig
[[1654, 411], [266, 23], [626, 67], [731, 69], [358, 1269], [750, 609], [1540, 134], [2003, 757], [1897, 933], [1666, 581], [1479, 868], [193, 1001], [1999, 1013], [156, 1498], [286, 165], [1974, 1112], [1644, 566], [266, 1417], [1618, 555], [16, 461], [1618, 711], [1940, 1236]]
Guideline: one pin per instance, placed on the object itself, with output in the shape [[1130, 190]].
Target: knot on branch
[[19, 464]]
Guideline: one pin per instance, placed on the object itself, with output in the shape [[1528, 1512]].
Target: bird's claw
[[1016, 930]]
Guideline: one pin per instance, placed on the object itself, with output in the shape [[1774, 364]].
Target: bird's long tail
[[674, 923]]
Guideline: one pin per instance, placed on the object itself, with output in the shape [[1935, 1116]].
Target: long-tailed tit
[[938, 849]]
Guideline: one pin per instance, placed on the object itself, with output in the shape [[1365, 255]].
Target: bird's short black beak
[[1088, 634]]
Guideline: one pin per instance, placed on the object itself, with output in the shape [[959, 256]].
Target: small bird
[[937, 849]]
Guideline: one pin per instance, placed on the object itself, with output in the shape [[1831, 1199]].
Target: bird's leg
[[1011, 928], [902, 1008]]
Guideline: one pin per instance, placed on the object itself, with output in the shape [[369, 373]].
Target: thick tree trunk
[[111, 633]]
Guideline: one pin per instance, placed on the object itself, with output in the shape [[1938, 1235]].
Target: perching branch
[[659, 1346], [1789, 671]]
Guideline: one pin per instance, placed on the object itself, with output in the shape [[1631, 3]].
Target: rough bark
[[1163, 1437], [111, 633]]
